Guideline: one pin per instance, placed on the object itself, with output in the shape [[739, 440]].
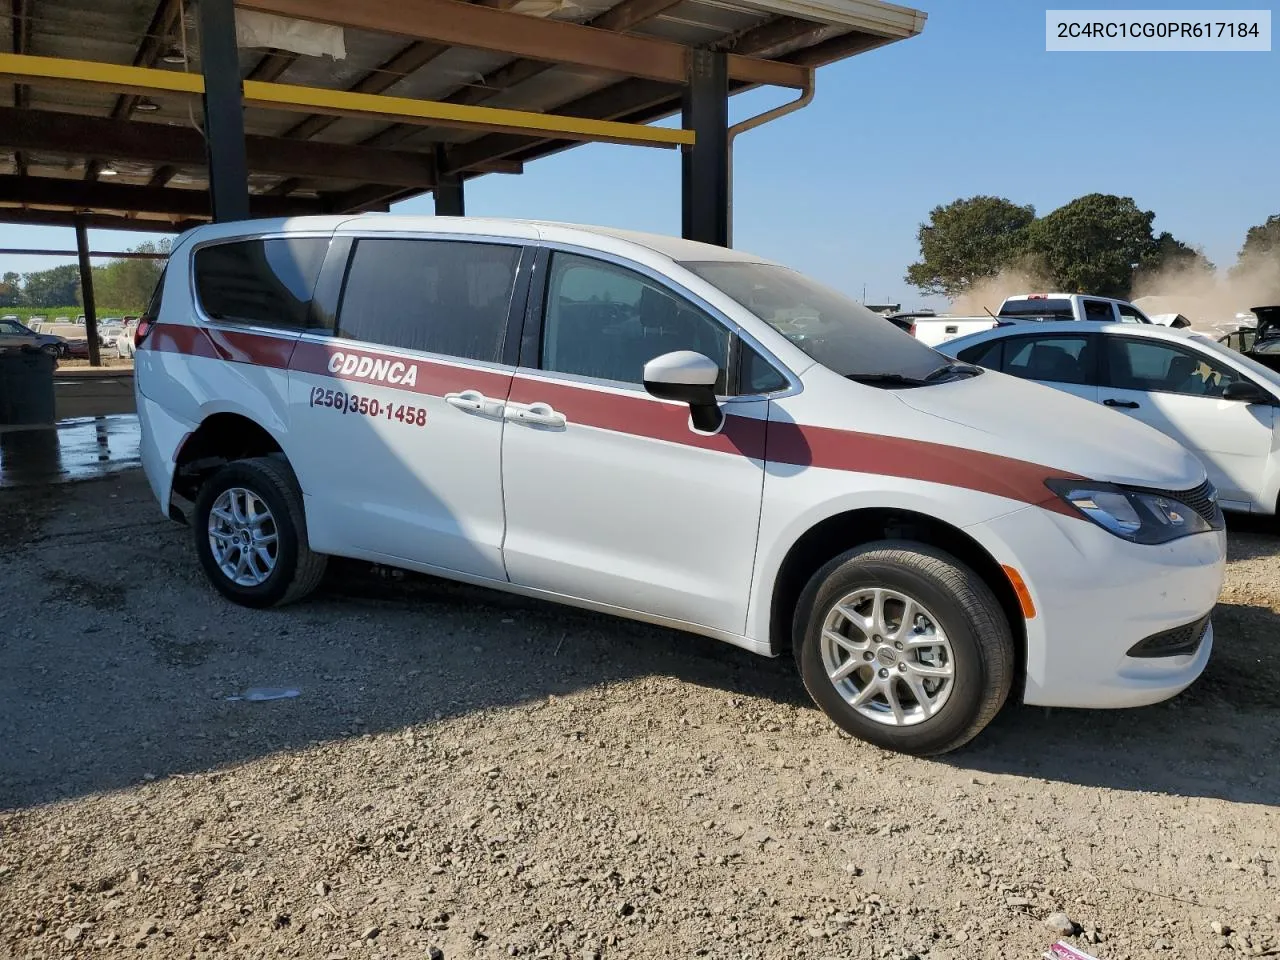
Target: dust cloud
[[989, 294], [1210, 299]]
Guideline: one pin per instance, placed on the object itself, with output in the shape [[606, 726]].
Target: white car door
[[611, 496], [1178, 390], [398, 414]]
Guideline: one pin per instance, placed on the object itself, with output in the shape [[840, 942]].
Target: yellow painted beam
[[340, 103]]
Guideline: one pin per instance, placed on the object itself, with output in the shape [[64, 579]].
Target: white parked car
[[678, 433], [1219, 404]]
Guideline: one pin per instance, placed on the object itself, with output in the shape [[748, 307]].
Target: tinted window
[[983, 354], [8, 326], [605, 321], [758, 375], [438, 296], [263, 282], [1038, 309], [1059, 359], [1163, 367], [1099, 310], [842, 335]]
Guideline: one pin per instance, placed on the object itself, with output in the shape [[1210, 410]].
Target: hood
[[1268, 321], [1016, 418]]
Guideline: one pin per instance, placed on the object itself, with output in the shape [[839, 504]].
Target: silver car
[[14, 334]]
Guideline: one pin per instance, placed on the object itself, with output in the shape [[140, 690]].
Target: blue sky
[[973, 105]]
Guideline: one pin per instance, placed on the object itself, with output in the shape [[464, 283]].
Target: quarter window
[[989, 355], [438, 296], [1063, 359], [607, 322], [1150, 365], [266, 283]]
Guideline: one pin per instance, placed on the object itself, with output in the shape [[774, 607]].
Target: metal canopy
[[132, 154]]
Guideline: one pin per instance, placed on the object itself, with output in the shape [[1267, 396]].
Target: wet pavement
[[83, 448]]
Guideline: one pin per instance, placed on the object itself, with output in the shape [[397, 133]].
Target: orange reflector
[[1020, 588]]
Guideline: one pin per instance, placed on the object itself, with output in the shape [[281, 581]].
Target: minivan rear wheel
[[904, 646], [251, 537]]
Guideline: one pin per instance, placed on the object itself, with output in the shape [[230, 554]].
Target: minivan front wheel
[[250, 534], [904, 646]]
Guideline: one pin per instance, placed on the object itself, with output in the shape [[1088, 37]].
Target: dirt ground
[[481, 776]]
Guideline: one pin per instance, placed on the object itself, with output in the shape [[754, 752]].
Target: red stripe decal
[[640, 415], [636, 414]]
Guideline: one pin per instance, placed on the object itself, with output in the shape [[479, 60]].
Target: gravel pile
[[470, 775]]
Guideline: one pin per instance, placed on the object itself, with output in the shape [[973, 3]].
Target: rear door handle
[[473, 401], [535, 414], [1127, 404]]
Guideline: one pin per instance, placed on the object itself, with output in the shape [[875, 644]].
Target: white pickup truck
[[1029, 307]]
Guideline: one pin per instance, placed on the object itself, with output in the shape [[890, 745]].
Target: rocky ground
[[471, 775]]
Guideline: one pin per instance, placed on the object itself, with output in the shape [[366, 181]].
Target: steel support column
[[86, 292], [705, 165], [223, 111], [448, 191]]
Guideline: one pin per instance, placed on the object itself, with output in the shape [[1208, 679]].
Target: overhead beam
[[97, 254], [643, 101], [74, 135], [627, 15], [90, 195], [341, 103], [68, 218], [272, 66], [455, 23]]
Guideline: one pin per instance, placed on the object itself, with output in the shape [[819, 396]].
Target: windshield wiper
[[888, 379], [954, 369]]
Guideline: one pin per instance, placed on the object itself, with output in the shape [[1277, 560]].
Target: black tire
[[964, 606], [51, 349], [298, 570]]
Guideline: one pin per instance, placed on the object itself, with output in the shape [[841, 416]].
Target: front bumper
[[1097, 597]]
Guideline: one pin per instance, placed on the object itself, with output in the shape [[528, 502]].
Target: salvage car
[[678, 433], [15, 334], [1220, 405]]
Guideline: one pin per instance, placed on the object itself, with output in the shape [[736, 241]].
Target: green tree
[[127, 284], [59, 287], [968, 240], [1169, 253], [1093, 244], [10, 290], [1263, 240]]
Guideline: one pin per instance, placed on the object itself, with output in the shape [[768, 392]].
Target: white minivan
[[681, 434]]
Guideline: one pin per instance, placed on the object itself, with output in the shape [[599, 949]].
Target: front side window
[[1060, 359], [1150, 365], [440, 296], [605, 321], [264, 283]]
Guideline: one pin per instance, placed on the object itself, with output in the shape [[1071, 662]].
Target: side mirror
[[687, 377], [1246, 391]]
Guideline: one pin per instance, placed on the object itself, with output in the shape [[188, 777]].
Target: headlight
[[1131, 514]]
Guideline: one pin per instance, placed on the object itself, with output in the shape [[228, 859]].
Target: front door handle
[[473, 401], [1127, 404], [536, 414]]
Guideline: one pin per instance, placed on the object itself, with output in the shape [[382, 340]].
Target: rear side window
[[1045, 309], [1055, 359], [1099, 310], [1130, 314], [438, 296], [265, 283]]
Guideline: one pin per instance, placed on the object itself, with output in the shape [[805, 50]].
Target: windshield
[[840, 334], [1210, 345]]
